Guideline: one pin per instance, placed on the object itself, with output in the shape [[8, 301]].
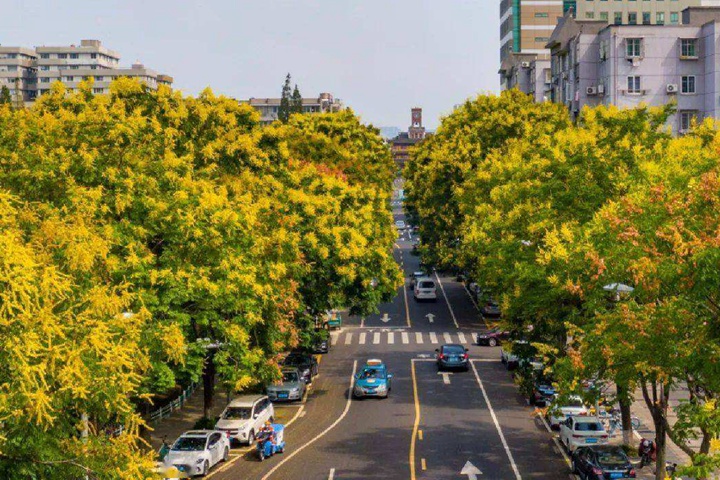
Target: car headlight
[[382, 387], [306, 371], [199, 461], [295, 390]]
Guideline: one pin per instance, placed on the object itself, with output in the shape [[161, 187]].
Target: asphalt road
[[431, 426]]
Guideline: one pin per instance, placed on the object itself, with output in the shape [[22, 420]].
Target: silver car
[[291, 388]]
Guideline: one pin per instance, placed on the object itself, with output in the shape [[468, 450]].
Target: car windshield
[[614, 457], [370, 373], [189, 444], [588, 427], [296, 360], [289, 377], [236, 413], [426, 284], [453, 349]]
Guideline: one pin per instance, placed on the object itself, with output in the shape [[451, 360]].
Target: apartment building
[[637, 12], [596, 63], [528, 73], [39, 68], [269, 107]]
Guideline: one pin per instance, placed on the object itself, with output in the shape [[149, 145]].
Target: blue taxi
[[373, 380]]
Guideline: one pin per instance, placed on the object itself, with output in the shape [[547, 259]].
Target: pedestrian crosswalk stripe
[[362, 338], [348, 338], [446, 336], [376, 338], [461, 337], [391, 338], [433, 337], [405, 338], [418, 337]]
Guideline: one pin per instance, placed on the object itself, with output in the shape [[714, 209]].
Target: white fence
[[176, 404]]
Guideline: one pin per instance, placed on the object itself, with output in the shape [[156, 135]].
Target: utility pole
[[18, 102]]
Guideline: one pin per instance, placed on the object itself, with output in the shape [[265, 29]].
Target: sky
[[381, 57]]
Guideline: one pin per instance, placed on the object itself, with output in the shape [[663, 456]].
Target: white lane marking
[[446, 377], [433, 337], [474, 337], [362, 322], [430, 317], [391, 338], [446, 337], [405, 338], [442, 289], [348, 338], [321, 434], [362, 338], [497, 424], [461, 337], [334, 338], [471, 298], [557, 442], [418, 337], [332, 474], [376, 338]]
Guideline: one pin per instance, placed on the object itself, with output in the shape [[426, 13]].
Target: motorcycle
[[646, 451]]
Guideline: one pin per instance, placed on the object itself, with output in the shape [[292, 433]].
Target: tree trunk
[[625, 403], [208, 384], [658, 409]]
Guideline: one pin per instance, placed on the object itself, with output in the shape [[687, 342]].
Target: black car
[[452, 356], [304, 362], [322, 346], [602, 462], [543, 393], [493, 337]]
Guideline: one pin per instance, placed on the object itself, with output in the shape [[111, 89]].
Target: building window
[[542, 39], [45, 67], [618, 18], [74, 56], [100, 79], [646, 18], [687, 47], [98, 90], [62, 55], [687, 118], [93, 55], [633, 84], [541, 15], [634, 47], [660, 18], [688, 84], [604, 16], [590, 14], [74, 67], [674, 18], [632, 18], [69, 79], [45, 80]]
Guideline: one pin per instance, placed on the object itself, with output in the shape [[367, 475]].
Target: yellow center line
[[417, 420], [423, 465], [420, 435]]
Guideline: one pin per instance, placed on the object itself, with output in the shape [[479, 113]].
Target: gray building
[[594, 63], [528, 73], [40, 67], [269, 107]]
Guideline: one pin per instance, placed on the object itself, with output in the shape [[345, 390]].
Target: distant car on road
[[322, 345], [559, 412], [452, 356], [291, 388], [244, 417], [425, 289], [581, 431], [600, 463], [493, 337], [542, 393], [373, 380], [491, 309], [400, 225], [414, 277], [304, 362], [197, 451]]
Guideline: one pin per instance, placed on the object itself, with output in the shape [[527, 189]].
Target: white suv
[[244, 417], [425, 289], [197, 451], [581, 431]]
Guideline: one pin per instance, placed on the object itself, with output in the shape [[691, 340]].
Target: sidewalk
[[184, 419]]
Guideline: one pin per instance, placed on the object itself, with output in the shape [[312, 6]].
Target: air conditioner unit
[[591, 91], [636, 61], [601, 89], [671, 88], [525, 64]]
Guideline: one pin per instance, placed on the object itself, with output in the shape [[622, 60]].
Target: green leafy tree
[[5, 97], [286, 104], [296, 104]]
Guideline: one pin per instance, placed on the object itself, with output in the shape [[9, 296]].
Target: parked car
[[322, 344], [400, 224], [373, 380], [244, 417], [425, 289], [491, 309], [542, 392], [414, 278], [493, 337], [303, 361], [581, 431], [292, 387], [197, 451], [452, 356], [559, 412], [600, 463]]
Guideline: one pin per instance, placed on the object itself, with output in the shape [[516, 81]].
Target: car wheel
[[206, 469], [271, 419], [492, 342], [226, 454], [251, 437], [574, 467]]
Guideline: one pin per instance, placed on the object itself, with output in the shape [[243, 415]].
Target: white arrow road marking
[[405, 338], [424, 355], [471, 471], [348, 338], [391, 338], [446, 377], [447, 338], [324, 432], [433, 337], [430, 317], [376, 338], [418, 337], [362, 338], [461, 337], [332, 474], [385, 318]]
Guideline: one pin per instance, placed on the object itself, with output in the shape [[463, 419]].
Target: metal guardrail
[[176, 404]]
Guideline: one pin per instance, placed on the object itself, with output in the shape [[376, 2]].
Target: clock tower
[[416, 130]]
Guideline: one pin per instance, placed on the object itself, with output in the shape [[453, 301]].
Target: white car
[[425, 289], [197, 451], [558, 413], [582, 431], [244, 417]]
